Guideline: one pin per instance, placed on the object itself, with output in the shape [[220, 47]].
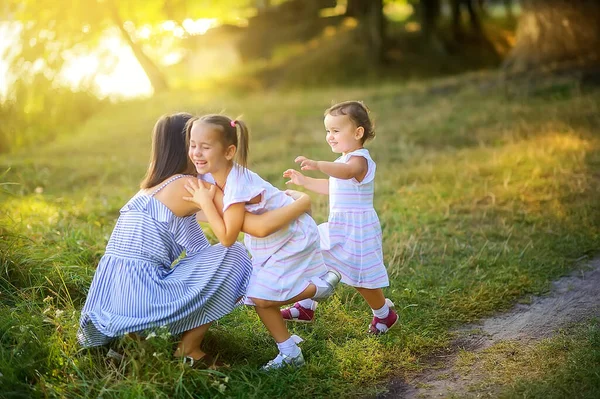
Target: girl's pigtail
[[243, 140]]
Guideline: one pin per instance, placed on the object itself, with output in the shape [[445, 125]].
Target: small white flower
[[222, 388], [151, 335], [59, 312]]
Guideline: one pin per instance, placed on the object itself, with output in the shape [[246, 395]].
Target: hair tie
[[233, 122]]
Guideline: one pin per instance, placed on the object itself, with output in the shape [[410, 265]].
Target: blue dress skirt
[[137, 286]]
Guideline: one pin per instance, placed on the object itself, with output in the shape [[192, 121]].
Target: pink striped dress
[[351, 240], [285, 262]]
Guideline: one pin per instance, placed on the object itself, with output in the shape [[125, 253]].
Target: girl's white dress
[[285, 262], [351, 240]]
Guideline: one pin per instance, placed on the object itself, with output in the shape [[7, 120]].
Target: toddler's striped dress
[[136, 288], [351, 240]]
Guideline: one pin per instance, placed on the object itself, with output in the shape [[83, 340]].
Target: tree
[[457, 6], [51, 27], [556, 31], [372, 26], [430, 11]]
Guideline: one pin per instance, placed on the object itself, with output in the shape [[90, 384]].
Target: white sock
[[383, 312], [289, 347], [308, 304]]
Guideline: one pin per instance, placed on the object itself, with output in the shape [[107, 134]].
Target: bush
[[38, 111]]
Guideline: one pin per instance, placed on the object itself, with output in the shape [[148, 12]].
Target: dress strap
[[165, 184]]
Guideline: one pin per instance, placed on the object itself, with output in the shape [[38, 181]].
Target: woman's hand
[[307, 164], [295, 177], [200, 195]]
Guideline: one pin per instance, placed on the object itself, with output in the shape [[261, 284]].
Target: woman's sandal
[[205, 362]]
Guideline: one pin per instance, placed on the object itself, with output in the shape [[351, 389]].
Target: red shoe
[[304, 316], [384, 324]]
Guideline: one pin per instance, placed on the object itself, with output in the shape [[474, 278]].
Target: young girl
[[351, 240], [287, 265]]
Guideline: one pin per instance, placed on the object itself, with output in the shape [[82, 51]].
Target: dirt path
[[572, 299]]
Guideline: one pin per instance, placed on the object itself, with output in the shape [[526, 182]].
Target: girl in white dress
[[287, 265], [351, 240]]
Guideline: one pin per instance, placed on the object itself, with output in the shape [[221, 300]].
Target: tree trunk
[[375, 30], [372, 26], [457, 6], [156, 77], [430, 12], [508, 7], [473, 16], [263, 4], [556, 31]]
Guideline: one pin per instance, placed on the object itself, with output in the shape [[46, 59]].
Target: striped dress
[[136, 287], [285, 262], [351, 239]]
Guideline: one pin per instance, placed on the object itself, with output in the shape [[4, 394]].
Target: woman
[[136, 287]]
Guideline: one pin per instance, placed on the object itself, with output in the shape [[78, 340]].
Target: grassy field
[[484, 195]]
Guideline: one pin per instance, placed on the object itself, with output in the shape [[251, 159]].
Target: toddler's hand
[[295, 177], [201, 196], [306, 164]]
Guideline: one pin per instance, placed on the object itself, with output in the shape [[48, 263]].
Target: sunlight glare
[[125, 78], [199, 26], [118, 75]]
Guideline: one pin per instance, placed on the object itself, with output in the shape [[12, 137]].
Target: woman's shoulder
[[169, 181], [171, 193]]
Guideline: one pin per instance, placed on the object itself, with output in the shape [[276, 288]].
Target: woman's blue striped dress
[[136, 288]]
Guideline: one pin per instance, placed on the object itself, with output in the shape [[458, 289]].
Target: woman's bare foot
[[195, 354]]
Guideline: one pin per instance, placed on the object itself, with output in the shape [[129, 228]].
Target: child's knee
[[262, 303]]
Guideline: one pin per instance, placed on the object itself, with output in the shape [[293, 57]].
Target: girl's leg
[[191, 341], [373, 296], [271, 318], [331, 278], [384, 317], [309, 292], [289, 352]]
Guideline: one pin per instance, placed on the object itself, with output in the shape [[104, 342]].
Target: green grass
[[483, 197]]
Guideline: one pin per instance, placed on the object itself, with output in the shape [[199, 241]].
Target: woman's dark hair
[[169, 151], [358, 113], [233, 131]]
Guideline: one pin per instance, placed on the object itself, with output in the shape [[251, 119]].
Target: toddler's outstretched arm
[[320, 186], [355, 168]]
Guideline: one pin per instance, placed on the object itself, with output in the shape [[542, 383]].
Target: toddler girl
[[351, 239]]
